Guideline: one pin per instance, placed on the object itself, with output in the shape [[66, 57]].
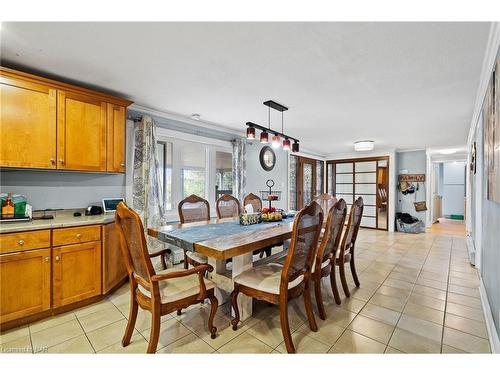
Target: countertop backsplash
[[62, 190]]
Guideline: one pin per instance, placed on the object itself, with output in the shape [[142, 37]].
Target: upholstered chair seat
[[265, 278], [197, 257], [178, 288]]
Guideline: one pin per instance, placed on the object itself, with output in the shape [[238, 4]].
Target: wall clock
[[267, 158]]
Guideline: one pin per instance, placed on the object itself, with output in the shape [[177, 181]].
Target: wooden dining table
[[223, 239]]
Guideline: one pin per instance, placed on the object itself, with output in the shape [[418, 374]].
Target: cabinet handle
[[52, 161], [21, 242], [46, 259], [57, 258], [122, 164], [78, 235], [61, 161]]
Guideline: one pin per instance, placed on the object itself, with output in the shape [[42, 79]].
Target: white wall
[[453, 188], [257, 177]]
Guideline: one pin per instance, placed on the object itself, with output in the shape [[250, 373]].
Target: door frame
[[362, 159]]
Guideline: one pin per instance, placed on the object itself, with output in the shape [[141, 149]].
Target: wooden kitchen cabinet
[[116, 132], [76, 272], [24, 284], [28, 124], [113, 265], [81, 132], [47, 124]]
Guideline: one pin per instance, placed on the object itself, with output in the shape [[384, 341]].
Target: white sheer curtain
[[239, 169]]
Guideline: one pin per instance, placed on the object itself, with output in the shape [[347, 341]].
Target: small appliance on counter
[[93, 210], [14, 208]]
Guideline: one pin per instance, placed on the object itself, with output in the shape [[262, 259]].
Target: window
[[223, 173], [193, 172], [164, 152], [200, 166], [294, 161], [319, 177]]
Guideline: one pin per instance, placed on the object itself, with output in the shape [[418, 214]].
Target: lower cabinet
[[76, 272], [25, 284]]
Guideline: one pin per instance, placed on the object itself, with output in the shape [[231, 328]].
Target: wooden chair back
[[353, 224], [333, 233], [326, 201], [193, 208], [306, 231], [254, 200], [227, 206], [134, 247]]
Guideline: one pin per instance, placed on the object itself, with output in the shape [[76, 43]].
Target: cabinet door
[[28, 124], [24, 284], [113, 265], [76, 272], [116, 138], [81, 132]]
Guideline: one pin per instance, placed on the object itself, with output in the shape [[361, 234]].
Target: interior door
[[306, 181]]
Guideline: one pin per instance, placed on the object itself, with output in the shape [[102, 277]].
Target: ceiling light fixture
[[276, 138], [448, 151], [364, 145]]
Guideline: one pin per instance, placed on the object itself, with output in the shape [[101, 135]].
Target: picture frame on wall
[[492, 136]]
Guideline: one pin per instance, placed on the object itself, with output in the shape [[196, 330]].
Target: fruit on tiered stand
[[271, 214]]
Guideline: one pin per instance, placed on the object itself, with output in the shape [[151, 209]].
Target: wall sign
[[411, 178]]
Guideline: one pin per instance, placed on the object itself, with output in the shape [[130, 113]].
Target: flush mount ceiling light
[[276, 138], [448, 151], [195, 116], [364, 145]]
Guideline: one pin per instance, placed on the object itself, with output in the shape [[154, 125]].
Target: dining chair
[[278, 284], [326, 201], [324, 262], [163, 292], [256, 203], [191, 210], [345, 254], [227, 206]]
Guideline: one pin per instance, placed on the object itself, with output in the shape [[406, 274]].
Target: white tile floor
[[418, 294]]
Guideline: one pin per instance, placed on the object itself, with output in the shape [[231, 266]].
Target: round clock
[[267, 158]]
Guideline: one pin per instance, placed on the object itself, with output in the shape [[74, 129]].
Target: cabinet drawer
[[68, 236], [12, 242]]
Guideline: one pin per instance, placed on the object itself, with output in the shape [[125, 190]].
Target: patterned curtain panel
[[239, 168], [147, 199]]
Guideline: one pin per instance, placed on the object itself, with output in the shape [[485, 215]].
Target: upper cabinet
[[47, 124]]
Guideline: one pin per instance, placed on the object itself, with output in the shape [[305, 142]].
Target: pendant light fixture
[[250, 132], [276, 138]]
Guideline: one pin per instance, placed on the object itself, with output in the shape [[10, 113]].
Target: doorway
[[306, 180], [362, 177]]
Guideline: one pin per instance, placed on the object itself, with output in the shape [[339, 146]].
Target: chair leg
[[234, 304], [155, 330], [333, 283], [186, 266], [285, 326], [319, 298], [353, 271], [269, 250], [214, 304], [343, 279], [132, 317], [308, 305], [179, 312]]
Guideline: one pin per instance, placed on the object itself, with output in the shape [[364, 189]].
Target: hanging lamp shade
[[286, 144], [276, 141], [295, 147], [264, 137], [250, 132]]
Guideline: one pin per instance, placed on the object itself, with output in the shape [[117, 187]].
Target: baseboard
[[490, 324]]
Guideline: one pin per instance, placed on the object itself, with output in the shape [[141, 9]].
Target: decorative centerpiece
[[271, 214], [249, 219]]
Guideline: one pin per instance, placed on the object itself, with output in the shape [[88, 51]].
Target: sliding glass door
[[366, 178]]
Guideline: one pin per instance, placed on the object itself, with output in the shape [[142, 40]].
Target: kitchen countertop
[[63, 218]]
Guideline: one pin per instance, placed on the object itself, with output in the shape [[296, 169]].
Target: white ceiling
[[404, 85]]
